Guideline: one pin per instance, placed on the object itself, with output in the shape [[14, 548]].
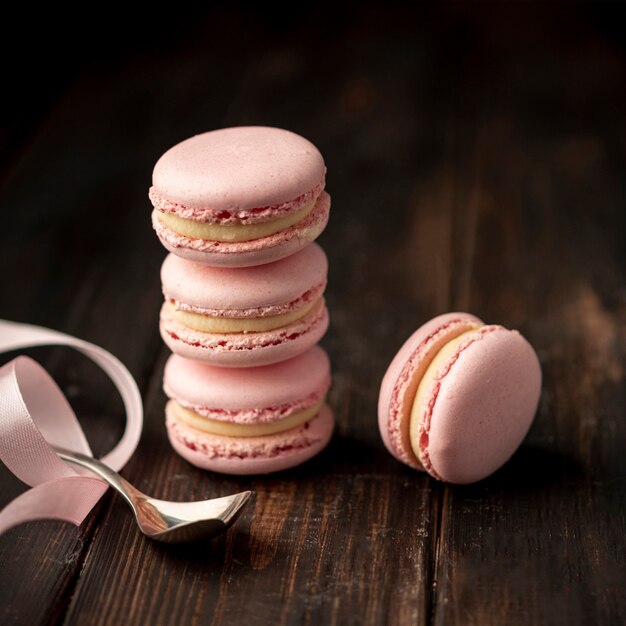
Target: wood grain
[[475, 162], [541, 541], [298, 559]]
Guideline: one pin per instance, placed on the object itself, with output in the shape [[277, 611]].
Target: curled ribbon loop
[[35, 415]]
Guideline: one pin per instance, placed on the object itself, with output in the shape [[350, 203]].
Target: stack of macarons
[[239, 209]]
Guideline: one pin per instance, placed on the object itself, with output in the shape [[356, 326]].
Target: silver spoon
[[170, 522]]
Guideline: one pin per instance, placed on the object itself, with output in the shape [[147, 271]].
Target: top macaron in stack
[[239, 209], [239, 197]]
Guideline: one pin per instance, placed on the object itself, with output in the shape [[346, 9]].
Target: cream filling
[[421, 396], [231, 232], [209, 324], [230, 429]]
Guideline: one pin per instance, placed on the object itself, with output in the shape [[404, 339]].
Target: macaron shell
[[193, 383], [483, 406], [247, 253], [400, 382], [275, 283], [245, 349], [251, 455], [238, 169]]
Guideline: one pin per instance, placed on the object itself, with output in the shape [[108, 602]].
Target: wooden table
[[476, 160]]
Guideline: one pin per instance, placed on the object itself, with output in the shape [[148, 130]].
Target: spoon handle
[[118, 483]]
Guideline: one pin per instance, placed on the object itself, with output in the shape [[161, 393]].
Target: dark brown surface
[[476, 162]]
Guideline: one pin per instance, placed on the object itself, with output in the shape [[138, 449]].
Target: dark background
[[476, 160]]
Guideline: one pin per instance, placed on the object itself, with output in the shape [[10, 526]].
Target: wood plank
[[80, 256], [347, 535], [542, 541]]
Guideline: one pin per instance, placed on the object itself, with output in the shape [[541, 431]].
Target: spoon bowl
[[162, 520]]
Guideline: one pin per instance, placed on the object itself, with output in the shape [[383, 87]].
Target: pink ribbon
[[35, 415]]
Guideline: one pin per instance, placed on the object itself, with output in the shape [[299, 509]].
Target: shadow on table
[[227, 548], [531, 469]]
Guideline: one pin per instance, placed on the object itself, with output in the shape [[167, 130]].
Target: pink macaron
[[244, 317], [249, 421], [239, 197], [459, 398]]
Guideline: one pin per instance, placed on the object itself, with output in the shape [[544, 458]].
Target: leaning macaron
[[244, 317], [238, 197], [249, 421], [459, 398]]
